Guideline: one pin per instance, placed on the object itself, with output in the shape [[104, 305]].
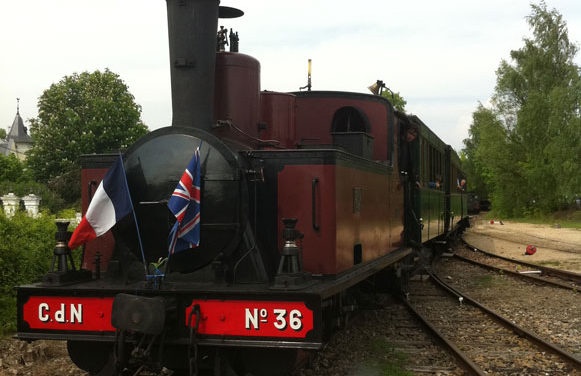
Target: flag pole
[[172, 247], [134, 216], [174, 237]]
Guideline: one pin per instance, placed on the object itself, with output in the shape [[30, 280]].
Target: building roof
[[17, 140], [18, 131]]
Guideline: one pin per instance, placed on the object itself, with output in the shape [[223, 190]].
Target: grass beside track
[[392, 361], [570, 218]]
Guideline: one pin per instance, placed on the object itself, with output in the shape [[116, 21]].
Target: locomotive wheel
[[94, 357], [395, 280], [338, 311]]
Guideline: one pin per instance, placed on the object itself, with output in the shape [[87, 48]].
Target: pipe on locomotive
[[192, 26]]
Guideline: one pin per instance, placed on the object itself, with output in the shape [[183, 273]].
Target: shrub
[[26, 253]]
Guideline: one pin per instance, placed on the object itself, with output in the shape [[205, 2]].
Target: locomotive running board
[[359, 273], [201, 341]]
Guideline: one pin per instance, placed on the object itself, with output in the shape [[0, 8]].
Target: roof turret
[[18, 131]]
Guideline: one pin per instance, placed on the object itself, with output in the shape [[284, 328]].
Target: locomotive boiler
[[303, 196]]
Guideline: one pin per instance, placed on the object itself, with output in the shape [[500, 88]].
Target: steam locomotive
[[304, 195]]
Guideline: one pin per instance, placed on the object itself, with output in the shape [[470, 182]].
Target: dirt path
[[556, 247]]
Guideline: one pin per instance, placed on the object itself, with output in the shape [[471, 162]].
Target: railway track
[[546, 312], [385, 340], [539, 273], [486, 343]]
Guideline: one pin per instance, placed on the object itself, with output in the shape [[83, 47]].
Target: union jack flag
[[184, 203]]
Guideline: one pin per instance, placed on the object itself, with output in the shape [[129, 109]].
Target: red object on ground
[[492, 221], [531, 249]]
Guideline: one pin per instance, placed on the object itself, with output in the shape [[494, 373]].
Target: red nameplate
[[218, 317], [68, 313], [253, 318]]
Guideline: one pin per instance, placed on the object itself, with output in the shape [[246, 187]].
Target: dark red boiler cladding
[[237, 93], [278, 118]]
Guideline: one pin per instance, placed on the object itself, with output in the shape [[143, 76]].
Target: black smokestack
[[192, 26]]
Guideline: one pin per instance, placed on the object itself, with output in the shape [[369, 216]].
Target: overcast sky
[[441, 56]]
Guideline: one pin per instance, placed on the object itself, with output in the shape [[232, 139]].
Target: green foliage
[[392, 361], [2, 134], [68, 186], [49, 199], [471, 156], [485, 281], [25, 255], [15, 178], [395, 99], [526, 150], [12, 169], [82, 114], [570, 218], [66, 213]]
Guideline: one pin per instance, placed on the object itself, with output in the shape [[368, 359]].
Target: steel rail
[[509, 324], [572, 276], [515, 273], [562, 274], [465, 361]]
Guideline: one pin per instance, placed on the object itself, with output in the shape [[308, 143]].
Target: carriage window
[[435, 165]]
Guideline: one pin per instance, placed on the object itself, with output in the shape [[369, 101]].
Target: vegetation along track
[[549, 311], [539, 273], [382, 339], [491, 344]]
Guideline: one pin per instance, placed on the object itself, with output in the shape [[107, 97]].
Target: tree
[[395, 99], [473, 166], [81, 114], [489, 157], [2, 134], [537, 103], [11, 168], [540, 97]]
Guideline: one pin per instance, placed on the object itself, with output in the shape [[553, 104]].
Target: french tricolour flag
[[110, 204]]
